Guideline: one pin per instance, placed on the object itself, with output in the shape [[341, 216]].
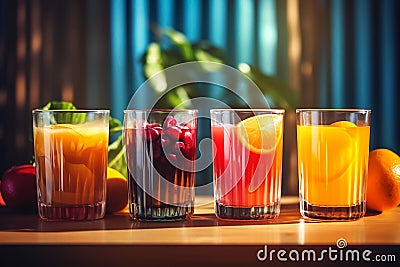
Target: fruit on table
[[2, 203], [117, 191], [18, 187], [383, 188]]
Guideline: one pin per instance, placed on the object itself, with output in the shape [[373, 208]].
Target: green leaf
[[58, 105], [115, 126], [116, 156], [171, 58], [202, 55], [74, 118], [181, 42], [153, 65], [152, 60], [153, 54], [205, 51]]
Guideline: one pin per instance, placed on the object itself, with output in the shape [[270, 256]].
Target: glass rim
[[274, 110], [359, 110], [160, 110], [71, 110]]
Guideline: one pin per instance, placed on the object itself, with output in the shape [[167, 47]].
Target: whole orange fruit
[[383, 187], [117, 191]]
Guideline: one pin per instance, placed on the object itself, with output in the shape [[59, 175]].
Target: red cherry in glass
[[174, 132], [152, 125], [186, 137], [179, 146], [151, 134], [169, 122]]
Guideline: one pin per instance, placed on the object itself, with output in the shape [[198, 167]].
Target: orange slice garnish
[[260, 134]]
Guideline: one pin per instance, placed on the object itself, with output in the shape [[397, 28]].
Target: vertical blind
[[336, 53]]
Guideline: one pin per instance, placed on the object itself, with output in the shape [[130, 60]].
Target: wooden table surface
[[202, 241], [202, 229]]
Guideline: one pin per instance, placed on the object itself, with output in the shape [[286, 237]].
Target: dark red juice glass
[[161, 153]]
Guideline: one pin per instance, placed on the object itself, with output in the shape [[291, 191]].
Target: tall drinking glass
[[333, 149], [71, 152], [161, 153], [247, 146]]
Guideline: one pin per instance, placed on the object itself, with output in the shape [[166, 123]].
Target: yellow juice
[[333, 164], [71, 164]]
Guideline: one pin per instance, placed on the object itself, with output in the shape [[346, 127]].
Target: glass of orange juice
[[247, 150], [333, 149], [71, 153]]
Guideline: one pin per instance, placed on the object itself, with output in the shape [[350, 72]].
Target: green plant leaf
[[58, 105], [152, 60], [74, 118], [171, 57], [204, 57], [205, 51], [181, 42], [115, 126], [116, 150], [116, 156]]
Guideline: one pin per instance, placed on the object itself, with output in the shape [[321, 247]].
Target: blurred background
[[331, 53]]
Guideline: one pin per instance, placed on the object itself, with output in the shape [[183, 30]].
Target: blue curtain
[[355, 61], [230, 25], [365, 65]]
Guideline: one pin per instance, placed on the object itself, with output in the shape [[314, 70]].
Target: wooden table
[[116, 238]]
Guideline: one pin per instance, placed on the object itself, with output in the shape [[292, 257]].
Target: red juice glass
[[161, 154], [247, 149]]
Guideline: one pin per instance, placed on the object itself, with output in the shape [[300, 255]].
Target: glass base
[[310, 211], [247, 213], [157, 213], [72, 212]]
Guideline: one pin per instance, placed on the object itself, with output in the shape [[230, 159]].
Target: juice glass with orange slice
[[247, 149], [333, 148], [71, 153]]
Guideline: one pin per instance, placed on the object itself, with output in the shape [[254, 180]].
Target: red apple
[[2, 203], [18, 187]]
